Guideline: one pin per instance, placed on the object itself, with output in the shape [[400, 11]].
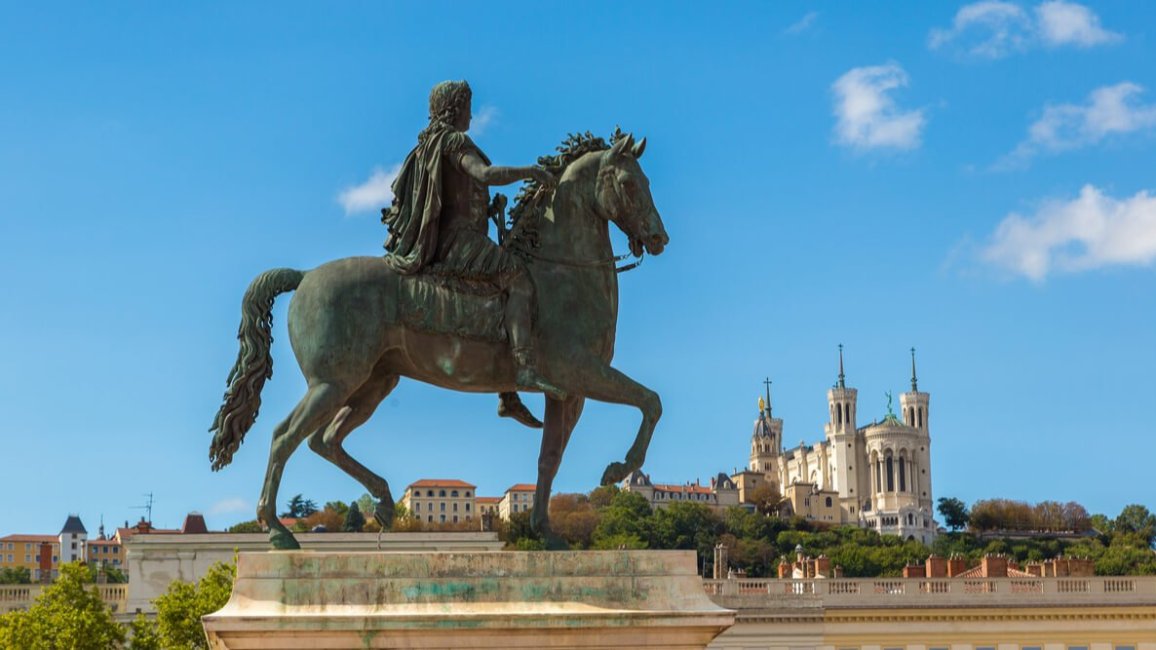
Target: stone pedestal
[[575, 599]]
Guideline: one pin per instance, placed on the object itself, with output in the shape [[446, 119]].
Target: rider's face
[[463, 122]]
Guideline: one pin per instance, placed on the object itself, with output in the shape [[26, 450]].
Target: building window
[[902, 474], [441, 493], [442, 507], [454, 494], [429, 493], [467, 507], [455, 509], [429, 507], [455, 519], [467, 494], [416, 506], [443, 518], [429, 518], [828, 502]]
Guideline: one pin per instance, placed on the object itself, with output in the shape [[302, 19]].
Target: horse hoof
[[283, 541], [614, 473]]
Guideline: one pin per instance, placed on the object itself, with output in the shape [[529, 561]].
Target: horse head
[[623, 197]]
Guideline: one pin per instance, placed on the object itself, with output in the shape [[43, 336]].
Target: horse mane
[[530, 202]]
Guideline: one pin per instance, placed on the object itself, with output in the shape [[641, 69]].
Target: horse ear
[[639, 148], [620, 147]]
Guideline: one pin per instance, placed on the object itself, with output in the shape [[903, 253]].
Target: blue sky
[[974, 180]]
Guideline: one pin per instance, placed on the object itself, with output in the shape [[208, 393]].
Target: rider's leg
[[519, 315], [511, 406]]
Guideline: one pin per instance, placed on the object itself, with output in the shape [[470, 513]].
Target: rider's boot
[[511, 406], [528, 377]]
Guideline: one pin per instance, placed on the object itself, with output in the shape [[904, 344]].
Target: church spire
[[767, 382], [914, 380], [841, 384]]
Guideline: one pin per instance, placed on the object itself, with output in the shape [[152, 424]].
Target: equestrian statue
[[450, 307]]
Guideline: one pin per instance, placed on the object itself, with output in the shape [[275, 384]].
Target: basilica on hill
[[875, 476]]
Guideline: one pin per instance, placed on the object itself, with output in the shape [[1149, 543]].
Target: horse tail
[[254, 363]]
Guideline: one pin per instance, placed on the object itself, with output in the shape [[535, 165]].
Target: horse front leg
[[602, 382], [560, 419]]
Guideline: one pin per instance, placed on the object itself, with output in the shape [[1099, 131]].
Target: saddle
[[441, 304]]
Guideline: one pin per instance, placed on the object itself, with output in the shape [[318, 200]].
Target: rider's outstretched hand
[[544, 178]]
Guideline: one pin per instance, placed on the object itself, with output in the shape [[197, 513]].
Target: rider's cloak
[[415, 215]]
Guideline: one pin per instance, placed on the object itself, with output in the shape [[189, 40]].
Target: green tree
[[299, 507], [686, 525], [354, 520], [368, 504], [767, 499], [251, 526], [180, 608], [68, 614], [625, 521], [1137, 519], [143, 634], [954, 512], [15, 576]]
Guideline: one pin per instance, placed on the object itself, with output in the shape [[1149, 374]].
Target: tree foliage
[[299, 507], [15, 576], [179, 611], [354, 520], [67, 614], [954, 512]]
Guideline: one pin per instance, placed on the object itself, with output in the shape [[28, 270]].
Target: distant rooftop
[[73, 525]]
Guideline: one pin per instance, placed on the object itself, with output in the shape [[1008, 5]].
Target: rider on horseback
[[439, 222]]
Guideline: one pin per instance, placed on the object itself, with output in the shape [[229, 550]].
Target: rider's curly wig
[[447, 100]]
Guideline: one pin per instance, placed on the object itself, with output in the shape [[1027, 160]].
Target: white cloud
[[803, 24], [372, 195], [1089, 232], [993, 29], [866, 115], [988, 29], [1068, 23], [229, 506], [487, 116], [1109, 111]]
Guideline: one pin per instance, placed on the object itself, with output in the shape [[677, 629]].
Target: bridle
[[611, 261]]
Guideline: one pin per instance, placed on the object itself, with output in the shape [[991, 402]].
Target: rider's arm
[[485, 174]]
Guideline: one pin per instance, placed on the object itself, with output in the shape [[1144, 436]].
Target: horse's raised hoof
[[283, 540], [614, 473]]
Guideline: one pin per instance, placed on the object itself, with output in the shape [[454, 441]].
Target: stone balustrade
[[13, 597], [833, 593]]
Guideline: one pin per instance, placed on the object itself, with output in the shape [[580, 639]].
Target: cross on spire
[[914, 381], [767, 382], [841, 384]]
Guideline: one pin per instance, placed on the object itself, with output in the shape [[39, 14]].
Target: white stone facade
[[876, 476]]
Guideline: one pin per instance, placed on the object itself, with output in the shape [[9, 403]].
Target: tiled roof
[[30, 538], [73, 525], [689, 489], [481, 500], [441, 482], [522, 487]]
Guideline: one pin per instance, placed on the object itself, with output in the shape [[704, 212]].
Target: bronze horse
[[353, 347]]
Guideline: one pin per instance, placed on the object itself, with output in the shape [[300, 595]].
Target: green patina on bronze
[[355, 336]]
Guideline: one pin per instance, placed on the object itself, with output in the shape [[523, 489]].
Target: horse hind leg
[[320, 404], [327, 444], [561, 417]]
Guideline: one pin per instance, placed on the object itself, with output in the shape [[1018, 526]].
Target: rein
[[613, 261]]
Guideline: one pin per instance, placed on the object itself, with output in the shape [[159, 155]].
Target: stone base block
[[576, 599]]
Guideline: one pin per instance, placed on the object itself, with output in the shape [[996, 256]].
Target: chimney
[[822, 566], [915, 571], [837, 572], [993, 566], [935, 567], [143, 527], [955, 566], [785, 568]]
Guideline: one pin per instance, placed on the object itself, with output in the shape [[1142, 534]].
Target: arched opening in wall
[[838, 413], [890, 473], [902, 474], [828, 502], [920, 411]]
